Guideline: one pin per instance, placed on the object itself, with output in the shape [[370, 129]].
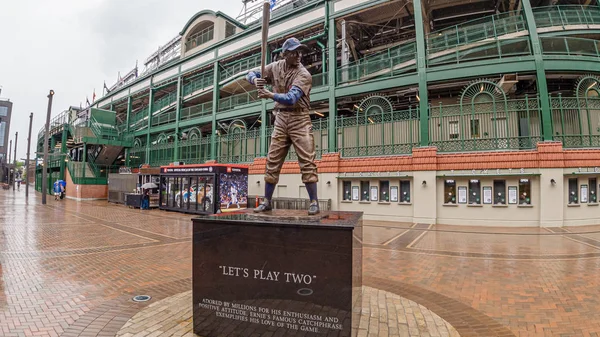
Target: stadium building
[[428, 111]]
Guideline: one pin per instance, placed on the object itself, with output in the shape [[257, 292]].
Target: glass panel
[[573, 191], [524, 192], [405, 191], [474, 192], [593, 189], [384, 191], [163, 191], [364, 191], [347, 193], [450, 192], [499, 192]]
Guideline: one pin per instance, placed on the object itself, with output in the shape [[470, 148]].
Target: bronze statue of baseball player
[[291, 85]]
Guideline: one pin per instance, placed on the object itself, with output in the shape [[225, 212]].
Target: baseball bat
[[265, 36]]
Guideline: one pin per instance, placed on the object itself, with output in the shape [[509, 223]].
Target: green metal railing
[[56, 124], [570, 46], [495, 49], [239, 66], [319, 80], [161, 154], [199, 82], [195, 150], [239, 147], [203, 109], [164, 101], [82, 174], [139, 120], [137, 156], [486, 125], [576, 121], [108, 132], [388, 63], [490, 27], [200, 38], [389, 133], [235, 101], [164, 118], [566, 15]]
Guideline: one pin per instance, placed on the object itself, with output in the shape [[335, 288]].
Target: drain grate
[[141, 298]]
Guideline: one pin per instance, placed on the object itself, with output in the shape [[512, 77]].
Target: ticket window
[[364, 191], [405, 191], [499, 192], [524, 191], [347, 191], [384, 191], [593, 190], [474, 192], [573, 191], [449, 191]]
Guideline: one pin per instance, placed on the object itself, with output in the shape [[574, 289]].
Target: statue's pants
[[292, 128]]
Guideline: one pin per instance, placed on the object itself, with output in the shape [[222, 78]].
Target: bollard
[[256, 201]]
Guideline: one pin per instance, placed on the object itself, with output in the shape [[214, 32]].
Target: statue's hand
[[264, 93], [260, 83]]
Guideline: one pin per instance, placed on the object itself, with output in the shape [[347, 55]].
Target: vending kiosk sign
[[204, 189]]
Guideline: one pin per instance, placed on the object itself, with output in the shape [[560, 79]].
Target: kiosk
[[203, 188]]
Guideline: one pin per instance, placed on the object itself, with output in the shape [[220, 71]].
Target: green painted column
[[542, 85], [264, 148], [177, 117], [263, 128], [150, 107], [129, 107], [422, 73], [331, 77], [215, 108], [63, 150]]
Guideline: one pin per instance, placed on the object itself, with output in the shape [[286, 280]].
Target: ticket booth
[[203, 188]]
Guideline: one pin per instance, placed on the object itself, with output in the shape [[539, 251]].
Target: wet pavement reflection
[[70, 268]]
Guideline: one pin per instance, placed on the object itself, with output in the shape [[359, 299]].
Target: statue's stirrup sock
[[269, 189], [311, 188]]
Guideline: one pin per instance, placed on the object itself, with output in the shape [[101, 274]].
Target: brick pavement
[[383, 314], [70, 269]]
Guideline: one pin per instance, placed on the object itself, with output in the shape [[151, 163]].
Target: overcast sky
[[73, 46]]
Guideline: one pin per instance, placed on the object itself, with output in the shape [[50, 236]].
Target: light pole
[[15, 158], [45, 163], [27, 160]]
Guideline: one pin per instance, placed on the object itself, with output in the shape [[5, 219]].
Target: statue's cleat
[[313, 209], [264, 207]]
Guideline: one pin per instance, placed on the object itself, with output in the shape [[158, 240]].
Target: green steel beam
[[371, 86], [331, 76], [216, 96], [542, 84], [150, 104], [63, 150], [196, 121], [422, 74], [567, 63], [177, 121], [481, 68], [129, 107]]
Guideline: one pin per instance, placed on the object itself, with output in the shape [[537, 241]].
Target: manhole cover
[[305, 292], [141, 298]]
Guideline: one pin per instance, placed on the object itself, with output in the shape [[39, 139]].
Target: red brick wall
[[546, 155], [85, 191]]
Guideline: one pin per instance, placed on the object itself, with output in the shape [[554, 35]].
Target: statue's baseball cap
[[293, 44]]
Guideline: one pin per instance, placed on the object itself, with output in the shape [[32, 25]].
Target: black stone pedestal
[[279, 274]]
